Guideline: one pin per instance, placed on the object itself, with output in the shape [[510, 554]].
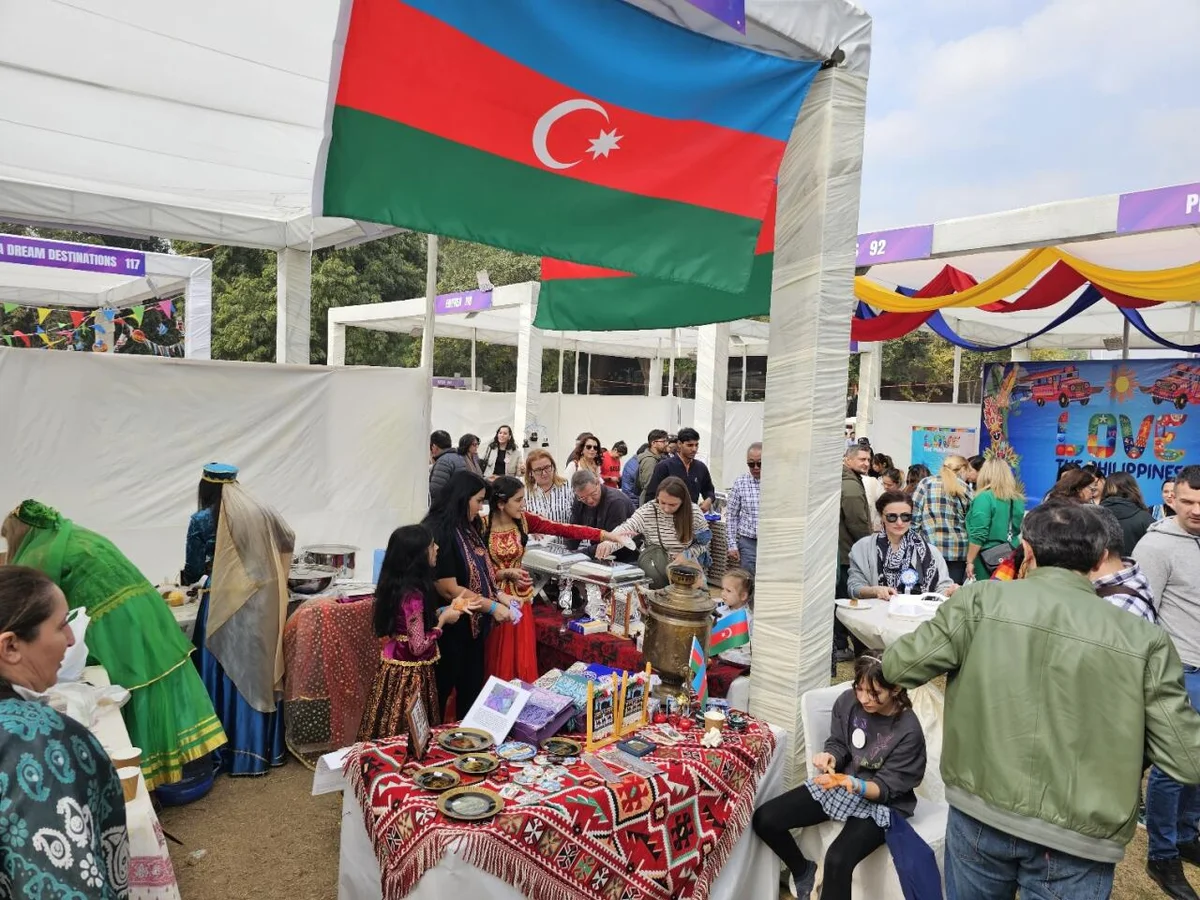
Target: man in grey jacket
[[1169, 554]]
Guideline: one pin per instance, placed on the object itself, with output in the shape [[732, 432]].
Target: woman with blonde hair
[[994, 520], [940, 505], [547, 493]]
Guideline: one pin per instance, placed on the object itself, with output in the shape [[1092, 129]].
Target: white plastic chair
[[875, 877]]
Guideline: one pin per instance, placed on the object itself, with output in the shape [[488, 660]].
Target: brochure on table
[[496, 709]]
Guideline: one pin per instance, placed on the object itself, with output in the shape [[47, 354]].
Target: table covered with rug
[[558, 647], [151, 875], [682, 834], [331, 656]]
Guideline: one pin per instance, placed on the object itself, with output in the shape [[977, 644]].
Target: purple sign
[[82, 257], [731, 12], [462, 302], [457, 383], [895, 245], [1169, 207]]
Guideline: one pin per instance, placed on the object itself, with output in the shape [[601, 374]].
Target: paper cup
[[126, 757], [129, 781], [714, 720]]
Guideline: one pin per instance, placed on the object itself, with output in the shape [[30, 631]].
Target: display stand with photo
[[602, 701], [419, 730], [634, 712]]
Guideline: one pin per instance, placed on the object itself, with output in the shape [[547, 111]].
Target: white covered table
[[751, 872], [151, 875], [875, 627]]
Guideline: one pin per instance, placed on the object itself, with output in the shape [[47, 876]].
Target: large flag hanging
[[730, 631], [698, 666], [586, 298], [587, 130]]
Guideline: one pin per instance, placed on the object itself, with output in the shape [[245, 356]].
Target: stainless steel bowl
[[311, 579], [337, 556]]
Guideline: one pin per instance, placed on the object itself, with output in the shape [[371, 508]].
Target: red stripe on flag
[[410, 67]]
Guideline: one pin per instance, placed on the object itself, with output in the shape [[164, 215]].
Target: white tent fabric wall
[[311, 441], [891, 430]]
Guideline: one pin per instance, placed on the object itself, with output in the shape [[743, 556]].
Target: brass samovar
[[677, 613]]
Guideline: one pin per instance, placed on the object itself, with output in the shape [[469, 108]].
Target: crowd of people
[[1040, 663]]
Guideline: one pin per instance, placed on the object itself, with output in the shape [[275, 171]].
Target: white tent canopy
[[1088, 229], [41, 273]]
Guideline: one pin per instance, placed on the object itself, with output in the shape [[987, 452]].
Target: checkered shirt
[[1135, 595], [941, 517], [841, 805], [741, 515]]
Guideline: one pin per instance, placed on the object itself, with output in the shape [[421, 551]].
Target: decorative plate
[[516, 751], [470, 804], [560, 746], [437, 778], [464, 740], [476, 763]]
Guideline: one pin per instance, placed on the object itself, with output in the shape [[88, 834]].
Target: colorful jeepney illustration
[[1061, 385], [1180, 386]]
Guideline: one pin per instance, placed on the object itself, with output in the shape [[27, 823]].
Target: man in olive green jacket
[[1055, 700]]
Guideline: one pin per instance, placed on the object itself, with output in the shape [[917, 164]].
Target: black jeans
[[461, 668], [957, 569], [858, 839]]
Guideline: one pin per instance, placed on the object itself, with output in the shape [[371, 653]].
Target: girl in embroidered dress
[[872, 764], [512, 652], [407, 614]]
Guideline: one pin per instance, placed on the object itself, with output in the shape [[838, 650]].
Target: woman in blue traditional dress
[[62, 813], [245, 548]]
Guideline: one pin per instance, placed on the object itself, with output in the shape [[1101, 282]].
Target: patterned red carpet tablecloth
[[559, 647], [661, 838]]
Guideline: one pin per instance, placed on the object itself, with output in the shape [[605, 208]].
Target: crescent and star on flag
[[602, 145]]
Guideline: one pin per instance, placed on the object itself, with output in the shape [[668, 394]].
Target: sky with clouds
[[976, 106]]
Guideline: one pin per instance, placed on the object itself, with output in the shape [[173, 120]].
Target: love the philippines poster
[[931, 444], [1135, 416]]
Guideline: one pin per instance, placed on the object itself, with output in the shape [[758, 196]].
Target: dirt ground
[[269, 839]]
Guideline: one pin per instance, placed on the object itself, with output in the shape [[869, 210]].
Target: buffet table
[[558, 648], [151, 875], [683, 834], [331, 655], [875, 626]]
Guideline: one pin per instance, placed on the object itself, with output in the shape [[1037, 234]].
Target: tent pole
[[473, 385], [575, 386], [671, 375], [957, 373], [743, 395], [587, 384], [1125, 341], [1192, 324], [561, 353], [431, 274]]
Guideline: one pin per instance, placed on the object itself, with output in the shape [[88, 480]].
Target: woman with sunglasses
[[899, 560], [586, 455]]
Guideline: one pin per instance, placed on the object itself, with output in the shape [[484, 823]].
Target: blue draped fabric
[[1137, 321], [255, 738]]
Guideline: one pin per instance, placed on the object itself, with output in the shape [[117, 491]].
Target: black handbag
[[994, 555]]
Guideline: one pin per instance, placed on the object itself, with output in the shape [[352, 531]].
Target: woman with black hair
[[407, 614], [512, 652], [503, 455], [468, 449], [465, 573], [871, 765]]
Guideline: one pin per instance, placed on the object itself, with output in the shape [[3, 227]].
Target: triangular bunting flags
[[138, 312], [23, 336], [8, 339], [167, 307], [77, 317], [10, 307], [42, 313]]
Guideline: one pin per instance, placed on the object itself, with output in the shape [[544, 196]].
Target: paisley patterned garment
[[62, 813]]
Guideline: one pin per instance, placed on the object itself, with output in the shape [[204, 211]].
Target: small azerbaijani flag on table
[[730, 631], [586, 130], [698, 666]]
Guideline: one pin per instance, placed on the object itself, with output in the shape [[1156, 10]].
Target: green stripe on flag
[[383, 171], [635, 304]]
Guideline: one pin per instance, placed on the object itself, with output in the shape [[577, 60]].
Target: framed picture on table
[[416, 718]]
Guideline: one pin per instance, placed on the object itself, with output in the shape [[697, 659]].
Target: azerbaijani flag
[[586, 130], [574, 297], [732, 630], [698, 666]]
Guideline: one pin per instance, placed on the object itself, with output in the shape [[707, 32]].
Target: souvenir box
[[545, 715]]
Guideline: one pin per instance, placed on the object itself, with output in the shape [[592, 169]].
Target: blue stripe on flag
[[611, 50]]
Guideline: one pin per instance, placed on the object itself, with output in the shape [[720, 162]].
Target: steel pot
[[336, 556], [310, 579]]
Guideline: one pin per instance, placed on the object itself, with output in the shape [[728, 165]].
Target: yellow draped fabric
[[1179, 284]]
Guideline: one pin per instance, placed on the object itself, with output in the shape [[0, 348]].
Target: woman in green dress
[[132, 634], [995, 516]]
